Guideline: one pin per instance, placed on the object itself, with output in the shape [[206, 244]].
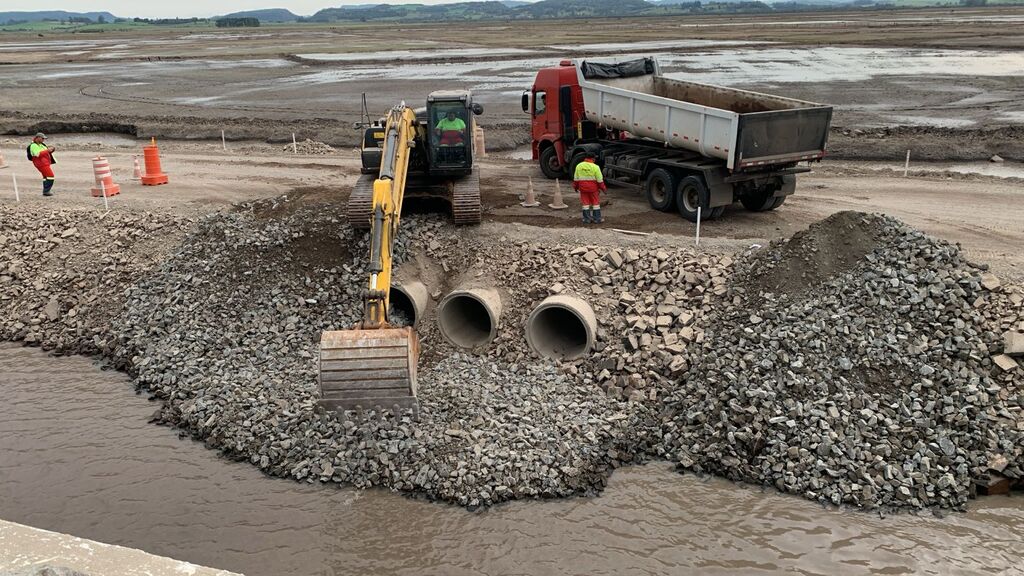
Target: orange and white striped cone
[[104, 178], [3, 163], [137, 174]]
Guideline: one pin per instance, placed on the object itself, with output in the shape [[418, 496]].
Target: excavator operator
[[451, 129]]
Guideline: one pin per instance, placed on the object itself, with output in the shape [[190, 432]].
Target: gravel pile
[[226, 332], [62, 272], [852, 364], [310, 147]]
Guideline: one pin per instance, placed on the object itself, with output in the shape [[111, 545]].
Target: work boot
[[47, 185], [597, 216], [586, 216]]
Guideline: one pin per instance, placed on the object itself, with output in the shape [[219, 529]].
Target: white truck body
[[748, 130]]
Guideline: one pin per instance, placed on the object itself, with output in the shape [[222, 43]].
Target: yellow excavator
[[414, 153]]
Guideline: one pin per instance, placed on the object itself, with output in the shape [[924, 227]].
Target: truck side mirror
[[478, 109], [526, 101]]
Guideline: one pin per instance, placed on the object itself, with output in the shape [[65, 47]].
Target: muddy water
[[76, 455]]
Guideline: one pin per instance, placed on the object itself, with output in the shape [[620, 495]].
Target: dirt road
[[983, 213]]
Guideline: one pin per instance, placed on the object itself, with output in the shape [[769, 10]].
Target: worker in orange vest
[[589, 182]]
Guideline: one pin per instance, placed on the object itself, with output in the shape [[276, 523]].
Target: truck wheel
[[660, 189], [549, 163], [692, 193], [762, 201], [576, 159]]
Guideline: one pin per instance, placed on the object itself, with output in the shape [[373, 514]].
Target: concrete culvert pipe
[[469, 318], [561, 327], [408, 303]]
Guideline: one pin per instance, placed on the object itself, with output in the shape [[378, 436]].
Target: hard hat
[[40, 135]]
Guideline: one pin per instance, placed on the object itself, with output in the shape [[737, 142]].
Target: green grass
[[129, 26]]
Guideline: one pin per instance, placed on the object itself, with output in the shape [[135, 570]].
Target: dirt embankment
[[333, 131], [925, 143]]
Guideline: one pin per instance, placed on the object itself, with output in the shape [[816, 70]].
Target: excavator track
[[369, 369], [360, 202], [466, 199]]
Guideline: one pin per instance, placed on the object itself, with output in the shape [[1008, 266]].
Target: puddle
[[837, 64], [994, 169], [725, 67], [523, 153], [93, 139], [933, 121], [415, 54], [654, 45]]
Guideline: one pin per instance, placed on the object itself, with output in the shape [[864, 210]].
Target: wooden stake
[[103, 191], [295, 145], [630, 232], [17, 197], [696, 241], [223, 141], [906, 166]]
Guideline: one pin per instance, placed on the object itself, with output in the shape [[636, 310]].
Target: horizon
[[183, 8]]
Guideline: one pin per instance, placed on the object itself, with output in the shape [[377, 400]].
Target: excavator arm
[[388, 192], [374, 364]]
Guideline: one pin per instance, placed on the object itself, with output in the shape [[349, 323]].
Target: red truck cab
[[555, 105]]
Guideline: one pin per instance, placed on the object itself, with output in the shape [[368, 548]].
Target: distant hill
[[268, 15], [59, 15], [579, 8], [459, 11], [522, 10]]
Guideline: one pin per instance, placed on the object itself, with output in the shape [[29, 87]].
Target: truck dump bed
[[748, 130]]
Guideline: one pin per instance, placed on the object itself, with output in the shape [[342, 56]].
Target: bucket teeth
[[363, 369], [360, 203]]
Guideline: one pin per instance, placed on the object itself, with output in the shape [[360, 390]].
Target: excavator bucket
[[369, 369]]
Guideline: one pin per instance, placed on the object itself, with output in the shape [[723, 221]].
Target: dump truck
[[690, 147]]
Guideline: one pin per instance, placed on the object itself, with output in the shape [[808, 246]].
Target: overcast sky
[[189, 8]]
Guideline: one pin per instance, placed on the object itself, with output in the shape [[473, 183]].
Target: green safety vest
[[457, 124], [588, 171], [36, 149]]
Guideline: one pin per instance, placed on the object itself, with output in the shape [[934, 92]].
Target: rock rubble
[[870, 383], [859, 362]]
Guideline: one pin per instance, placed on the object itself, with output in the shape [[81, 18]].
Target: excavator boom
[[374, 364]]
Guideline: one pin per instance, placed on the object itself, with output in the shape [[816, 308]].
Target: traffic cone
[[104, 178], [556, 202], [154, 176], [531, 199], [137, 174], [3, 163], [479, 144]]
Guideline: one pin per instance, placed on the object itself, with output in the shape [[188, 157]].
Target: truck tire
[[762, 202], [691, 193], [576, 159], [660, 189], [549, 163]]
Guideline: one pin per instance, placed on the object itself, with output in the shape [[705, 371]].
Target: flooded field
[[77, 455], [869, 86]]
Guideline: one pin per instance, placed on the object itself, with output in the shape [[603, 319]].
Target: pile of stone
[[63, 272], [226, 333], [859, 362], [853, 364], [310, 147]]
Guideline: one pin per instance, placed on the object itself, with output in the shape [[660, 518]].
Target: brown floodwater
[[77, 456]]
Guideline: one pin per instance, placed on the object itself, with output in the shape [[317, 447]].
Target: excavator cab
[[449, 124]]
